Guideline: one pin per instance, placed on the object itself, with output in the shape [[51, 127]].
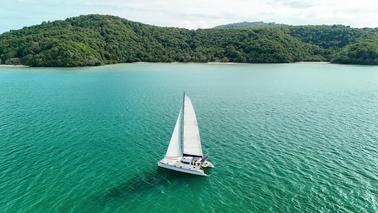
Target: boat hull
[[207, 164], [184, 170]]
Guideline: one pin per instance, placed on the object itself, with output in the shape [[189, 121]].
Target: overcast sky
[[15, 14]]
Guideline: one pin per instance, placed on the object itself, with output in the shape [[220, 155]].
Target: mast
[[182, 123]]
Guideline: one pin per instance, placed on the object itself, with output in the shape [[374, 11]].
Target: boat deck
[[177, 165]]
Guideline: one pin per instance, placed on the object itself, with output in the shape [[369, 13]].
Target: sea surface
[[283, 138]]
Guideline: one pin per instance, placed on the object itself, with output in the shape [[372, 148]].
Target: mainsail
[[174, 148], [185, 138], [190, 139]]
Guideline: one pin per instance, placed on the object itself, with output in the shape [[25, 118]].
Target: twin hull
[[182, 168]]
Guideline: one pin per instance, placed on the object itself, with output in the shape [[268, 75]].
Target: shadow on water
[[147, 181]]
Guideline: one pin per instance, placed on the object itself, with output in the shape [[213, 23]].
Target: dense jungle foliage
[[98, 39]]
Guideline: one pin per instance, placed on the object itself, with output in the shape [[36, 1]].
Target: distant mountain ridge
[[92, 40], [246, 25]]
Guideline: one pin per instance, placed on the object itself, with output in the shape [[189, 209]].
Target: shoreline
[[10, 65], [176, 62], [312, 62]]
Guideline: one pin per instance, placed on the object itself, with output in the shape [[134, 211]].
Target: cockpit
[[196, 161]]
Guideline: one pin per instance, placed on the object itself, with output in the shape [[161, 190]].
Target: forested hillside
[[340, 44], [361, 52], [97, 39]]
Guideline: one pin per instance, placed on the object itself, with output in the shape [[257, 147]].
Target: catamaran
[[184, 153]]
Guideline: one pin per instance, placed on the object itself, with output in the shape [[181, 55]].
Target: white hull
[[182, 168], [207, 164]]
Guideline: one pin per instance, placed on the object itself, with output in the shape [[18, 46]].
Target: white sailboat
[[184, 153]]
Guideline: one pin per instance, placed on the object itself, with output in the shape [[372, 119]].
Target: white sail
[[174, 148], [191, 138], [185, 144]]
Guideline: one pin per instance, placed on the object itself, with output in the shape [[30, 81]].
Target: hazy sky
[[15, 14]]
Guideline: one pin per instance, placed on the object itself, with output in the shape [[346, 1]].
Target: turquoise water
[[283, 138]]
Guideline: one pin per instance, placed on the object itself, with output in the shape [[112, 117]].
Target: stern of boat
[[207, 164]]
